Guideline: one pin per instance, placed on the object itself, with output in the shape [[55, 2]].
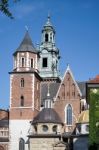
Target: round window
[[45, 128]]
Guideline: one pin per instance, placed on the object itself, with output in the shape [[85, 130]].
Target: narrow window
[[21, 144], [23, 62], [69, 115], [48, 103], [46, 37], [44, 63], [32, 63], [22, 101], [50, 37], [22, 82]]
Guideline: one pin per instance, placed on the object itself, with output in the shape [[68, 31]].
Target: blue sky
[[77, 36]]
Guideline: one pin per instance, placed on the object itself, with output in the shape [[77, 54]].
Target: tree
[[4, 7]]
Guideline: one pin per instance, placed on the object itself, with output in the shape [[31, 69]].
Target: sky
[[77, 36]]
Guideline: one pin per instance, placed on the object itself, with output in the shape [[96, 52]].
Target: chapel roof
[[47, 115]]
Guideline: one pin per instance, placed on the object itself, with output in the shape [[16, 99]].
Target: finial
[[26, 27]]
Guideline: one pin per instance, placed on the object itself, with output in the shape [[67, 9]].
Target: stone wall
[[45, 144]]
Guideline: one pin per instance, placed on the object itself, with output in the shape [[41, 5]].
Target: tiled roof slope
[[47, 115], [26, 44], [53, 88]]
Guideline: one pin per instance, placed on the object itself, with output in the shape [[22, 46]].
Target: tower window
[[21, 144], [50, 37], [69, 115], [31, 63], [23, 62], [46, 37], [54, 128], [22, 101], [44, 63], [22, 82]]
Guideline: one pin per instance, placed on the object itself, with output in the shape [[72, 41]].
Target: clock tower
[[48, 52]]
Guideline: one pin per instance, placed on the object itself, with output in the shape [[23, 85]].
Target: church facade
[[44, 108]]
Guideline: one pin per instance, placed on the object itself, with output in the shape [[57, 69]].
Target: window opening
[[46, 37], [22, 82], [69, 115], [22, 101], [44, 64], [23, 62]]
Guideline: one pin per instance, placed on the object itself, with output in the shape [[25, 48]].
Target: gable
[[68, 88]]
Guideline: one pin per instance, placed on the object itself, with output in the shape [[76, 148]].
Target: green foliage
[[94, 118], [4, 7]]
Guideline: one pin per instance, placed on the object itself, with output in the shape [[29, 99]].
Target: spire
[[26, 44], [48, 23]]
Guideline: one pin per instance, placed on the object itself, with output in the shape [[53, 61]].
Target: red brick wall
[[68, 94], [17, 91]]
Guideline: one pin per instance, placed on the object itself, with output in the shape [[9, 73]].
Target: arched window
[[46, 37], [22, 101], [32, 63], [23, 61], [21, 144], [69, 115], [54, 128], [22, 82]]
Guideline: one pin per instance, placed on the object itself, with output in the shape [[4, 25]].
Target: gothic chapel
[[42, 105]]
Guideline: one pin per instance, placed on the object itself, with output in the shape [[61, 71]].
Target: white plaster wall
[[18, 129]]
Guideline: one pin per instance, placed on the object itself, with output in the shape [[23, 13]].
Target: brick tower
[[24, 102]]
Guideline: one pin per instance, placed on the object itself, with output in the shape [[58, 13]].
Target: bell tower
[[24, 92], [49, 53]]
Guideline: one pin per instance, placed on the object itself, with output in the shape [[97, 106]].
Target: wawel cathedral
[[47, 112]]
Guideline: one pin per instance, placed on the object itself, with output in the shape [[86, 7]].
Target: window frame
[[22, 82], [69, 115], [22, 101], [45, 64], [22, 62]]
